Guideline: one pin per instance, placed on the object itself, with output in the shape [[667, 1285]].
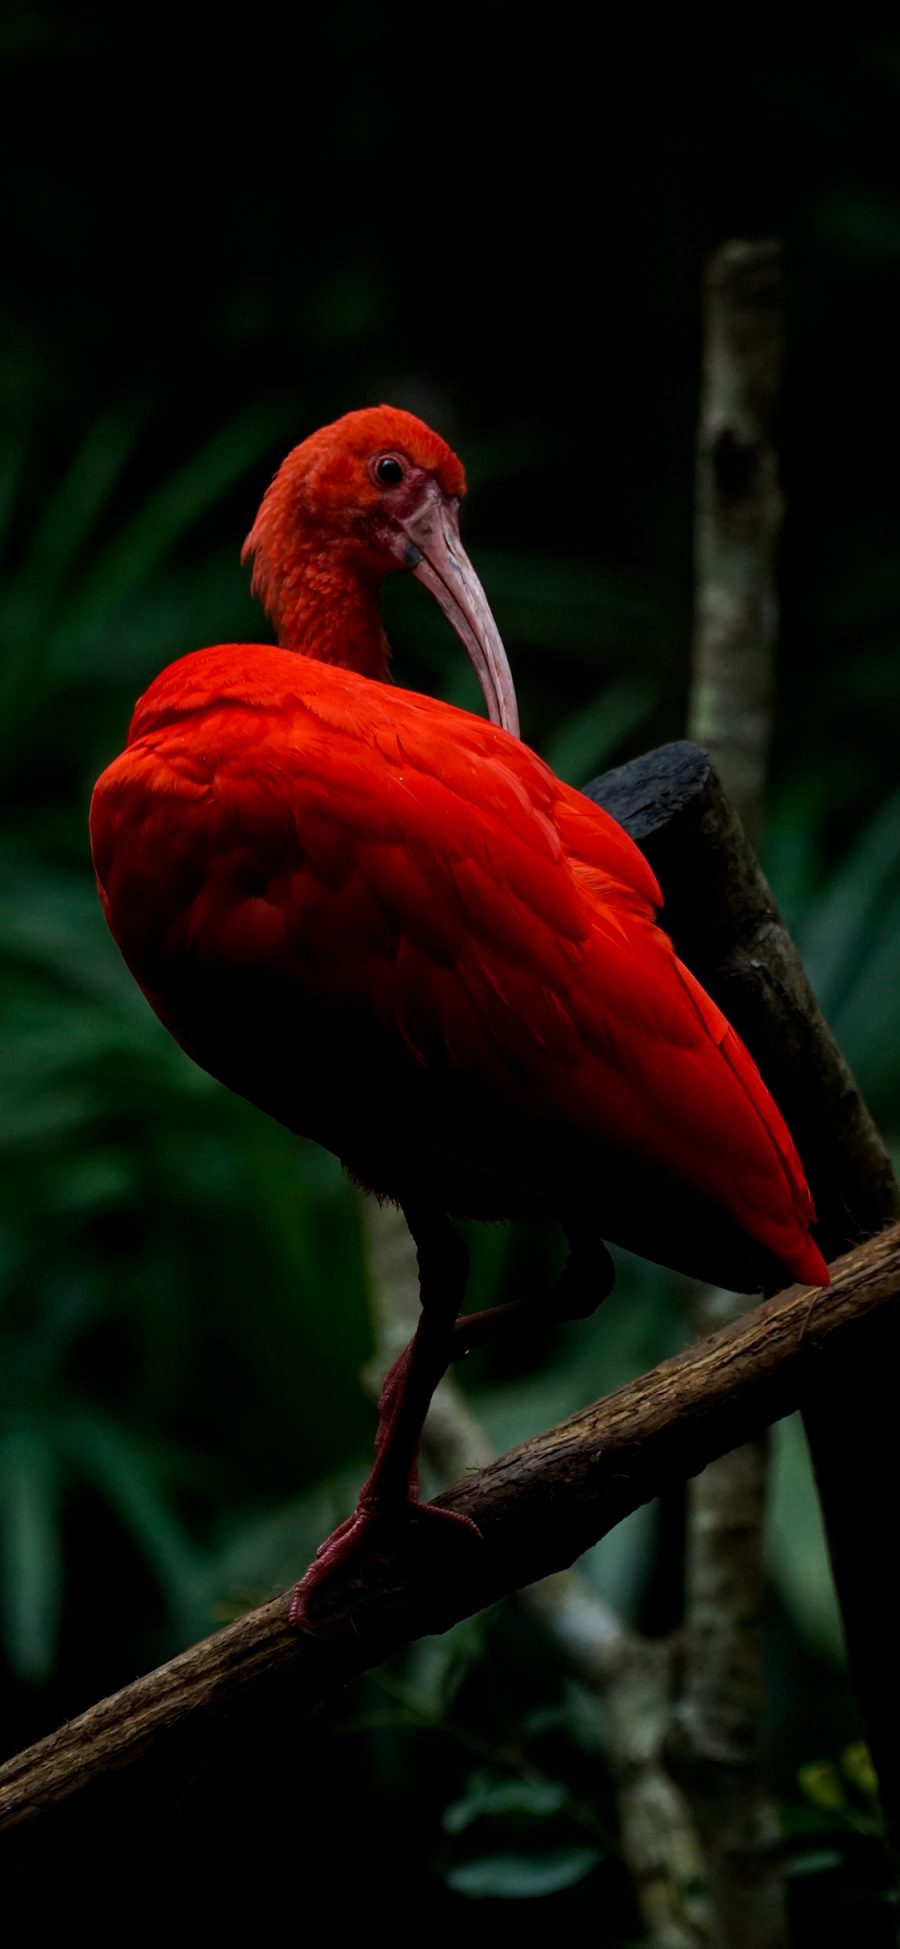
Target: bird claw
[[369, 1525]]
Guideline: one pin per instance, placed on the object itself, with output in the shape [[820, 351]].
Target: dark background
[[216, 237]]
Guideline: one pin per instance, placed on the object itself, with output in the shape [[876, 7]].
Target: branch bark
[[725, 922], [537, 1508], [726, 925]]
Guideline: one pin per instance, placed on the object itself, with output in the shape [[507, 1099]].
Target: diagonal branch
[[727, 927], [538, 1508]]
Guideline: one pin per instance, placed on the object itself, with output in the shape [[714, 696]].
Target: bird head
[[376, 492]]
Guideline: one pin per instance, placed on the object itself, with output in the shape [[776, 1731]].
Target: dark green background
[[216, 236]]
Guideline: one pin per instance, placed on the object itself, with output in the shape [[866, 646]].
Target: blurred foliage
[[196, 276]]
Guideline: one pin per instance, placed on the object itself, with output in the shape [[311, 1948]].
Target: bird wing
[[379, 843], [411, 871]]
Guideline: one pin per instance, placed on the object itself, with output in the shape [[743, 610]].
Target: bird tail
[[785, 1229]]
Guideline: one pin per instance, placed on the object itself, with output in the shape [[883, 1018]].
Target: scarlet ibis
[[387, 923]]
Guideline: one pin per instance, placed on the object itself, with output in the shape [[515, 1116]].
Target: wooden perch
[[538, 1508], [549, 1500], [725, 922], [726, 925]]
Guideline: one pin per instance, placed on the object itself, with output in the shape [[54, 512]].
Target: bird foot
[[371, 1526]]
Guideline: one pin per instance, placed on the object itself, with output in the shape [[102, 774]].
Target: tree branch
[[724, 920], [726, 925], [537, 1508]]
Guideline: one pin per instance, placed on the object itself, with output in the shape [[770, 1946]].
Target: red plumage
[[387, 923]]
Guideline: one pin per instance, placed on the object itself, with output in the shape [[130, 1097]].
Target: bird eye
[[388, 470]]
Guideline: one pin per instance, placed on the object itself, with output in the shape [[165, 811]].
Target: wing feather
[[427, 879]]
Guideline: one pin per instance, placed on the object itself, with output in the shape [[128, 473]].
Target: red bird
[[387, 923]]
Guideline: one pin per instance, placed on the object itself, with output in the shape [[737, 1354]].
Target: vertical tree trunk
[[739, 508], [739, 511], [718, 1732]]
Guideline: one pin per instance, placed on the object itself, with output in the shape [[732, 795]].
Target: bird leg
[[390, 1494], [587, 1278]]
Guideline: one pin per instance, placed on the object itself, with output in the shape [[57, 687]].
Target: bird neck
[[328, 608]]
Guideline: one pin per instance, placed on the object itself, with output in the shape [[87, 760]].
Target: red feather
[[388, 924]]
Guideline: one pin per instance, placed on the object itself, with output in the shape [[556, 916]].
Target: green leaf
[[31, 1553], [32, 607], [856, 1761], [574, 605], [618, 1566], [73, 511], [439, 1666], [51, 920], [10, 473], [835, 938], [130, 1475], [486, 1796], [797, 1548], [865, 1022], [266, 1547], [175, 506], [589, 739], [820, 1781], [520, 1877], [817, 1861]]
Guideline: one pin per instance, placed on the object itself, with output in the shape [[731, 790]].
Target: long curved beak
[[436, 557]]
